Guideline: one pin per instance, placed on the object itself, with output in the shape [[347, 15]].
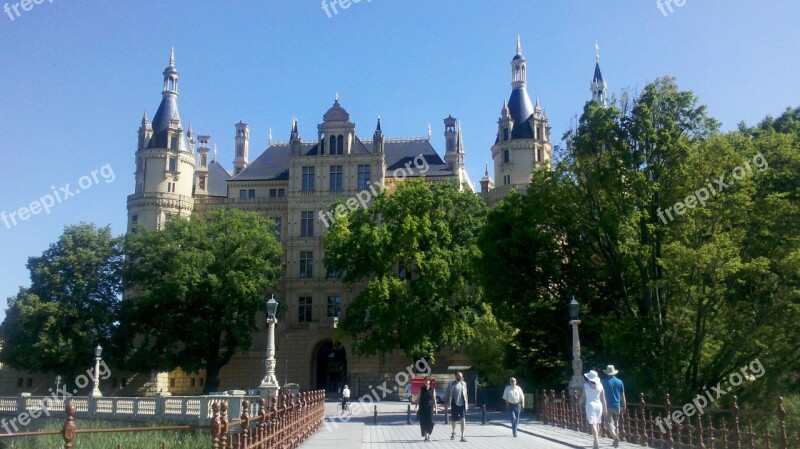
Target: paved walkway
[[393, 432]]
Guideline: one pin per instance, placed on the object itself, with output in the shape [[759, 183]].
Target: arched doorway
[[331, 364]]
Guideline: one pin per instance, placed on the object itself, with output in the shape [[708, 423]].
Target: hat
[[591, 376], [610, 370]]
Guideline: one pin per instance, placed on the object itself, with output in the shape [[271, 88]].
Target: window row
[[305, 307], [336, 178]]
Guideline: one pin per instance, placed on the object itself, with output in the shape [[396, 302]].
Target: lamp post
[[96, 390], [269, 386], [577, 367]]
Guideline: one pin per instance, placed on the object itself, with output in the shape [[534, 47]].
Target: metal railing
[[649, 425]]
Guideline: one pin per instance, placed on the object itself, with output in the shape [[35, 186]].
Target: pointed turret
[[295, 140], [145, 132], [167, 127], [598, 86], [519, 103], [377, 138]]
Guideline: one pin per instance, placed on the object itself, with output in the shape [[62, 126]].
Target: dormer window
[[505, 134]]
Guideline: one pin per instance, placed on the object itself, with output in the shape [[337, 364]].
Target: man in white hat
[[615, 398]]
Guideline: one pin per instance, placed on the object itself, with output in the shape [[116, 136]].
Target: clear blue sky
[[77, 75]]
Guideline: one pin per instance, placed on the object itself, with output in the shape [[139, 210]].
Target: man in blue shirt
[[615, 398]]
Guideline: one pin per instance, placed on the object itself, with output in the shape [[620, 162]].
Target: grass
[[183, 439]]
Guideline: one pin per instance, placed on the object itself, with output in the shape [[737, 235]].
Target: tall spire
[[598, 86], [172, 57], [519, 44], [145, 122]]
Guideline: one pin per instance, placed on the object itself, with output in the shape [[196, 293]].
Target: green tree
[[412, 251], [195, 289], [71, 306]]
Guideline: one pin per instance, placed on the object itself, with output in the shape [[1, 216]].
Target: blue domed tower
[[523, 136]]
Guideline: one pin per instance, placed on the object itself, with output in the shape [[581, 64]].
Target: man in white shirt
[[456, 398], [515, 402], [345, 397]]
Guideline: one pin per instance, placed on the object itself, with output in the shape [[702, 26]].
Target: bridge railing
[[182, 409], [283, 423], [648, 425]]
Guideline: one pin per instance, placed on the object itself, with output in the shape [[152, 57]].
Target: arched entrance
[[331, 364]]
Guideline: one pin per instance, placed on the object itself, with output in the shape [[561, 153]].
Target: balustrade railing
[[648, 425]]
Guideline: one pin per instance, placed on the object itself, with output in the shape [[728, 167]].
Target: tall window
[[363, 176], [505, 133], [251, 193], [306, 264], [334, 306], [305, 309], [278, 229], [336, 178], [243, 194], [201, 183], [306, 224], [308, 179], [340, 145], [239, 150], [173, 164], [333, 144], [506, 156]]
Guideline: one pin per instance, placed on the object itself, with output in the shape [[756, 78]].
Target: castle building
[[294, 182]]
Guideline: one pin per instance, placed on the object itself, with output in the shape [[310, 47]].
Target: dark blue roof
[[217, 180], [597, 75], [273, 163], [522, 130], [166, 110], [519, 105]]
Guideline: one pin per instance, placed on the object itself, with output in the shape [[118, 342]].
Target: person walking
[[615, 399], [515, 403], [594, 400], [345, 398], [456, 397], [426, 406]]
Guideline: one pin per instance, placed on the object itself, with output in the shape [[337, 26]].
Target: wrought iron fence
[[644, 424]]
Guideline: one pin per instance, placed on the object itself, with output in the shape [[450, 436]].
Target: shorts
[[456, 412]]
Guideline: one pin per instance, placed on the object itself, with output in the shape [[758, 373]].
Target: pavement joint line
[[544, 437]]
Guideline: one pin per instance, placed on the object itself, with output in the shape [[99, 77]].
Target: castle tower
[[241, 160], [164, 163], [201, 174], [523, 136], [598, 86]]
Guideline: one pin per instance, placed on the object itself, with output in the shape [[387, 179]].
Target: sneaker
[[453, 436], [616, 442], [463, 440]]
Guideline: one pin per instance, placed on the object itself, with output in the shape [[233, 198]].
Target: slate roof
[[598, 77], [217, 182], [273, 163], [166, 111]]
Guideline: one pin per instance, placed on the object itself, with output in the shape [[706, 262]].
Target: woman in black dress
[[426, 406]]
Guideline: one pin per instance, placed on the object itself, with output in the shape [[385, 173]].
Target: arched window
[[340, 145], [333, 144]]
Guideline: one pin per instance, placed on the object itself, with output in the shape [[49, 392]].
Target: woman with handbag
[[425, 407]]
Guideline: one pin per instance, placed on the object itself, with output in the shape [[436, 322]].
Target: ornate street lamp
[[96, 390], [269, 385], [577, 367]]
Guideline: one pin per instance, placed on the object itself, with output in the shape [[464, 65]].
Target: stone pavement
[[393, 432]]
